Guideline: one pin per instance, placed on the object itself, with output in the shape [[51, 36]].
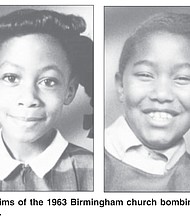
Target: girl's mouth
[[28, 118], [160, 116]]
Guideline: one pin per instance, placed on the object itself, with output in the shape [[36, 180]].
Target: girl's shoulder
[[78, 156], [75, 150]]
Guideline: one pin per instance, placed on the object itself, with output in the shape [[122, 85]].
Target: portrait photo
[[147, 93], [46, 105]]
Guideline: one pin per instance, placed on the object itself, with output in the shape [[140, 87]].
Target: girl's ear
[[119, 86], [71, 91]]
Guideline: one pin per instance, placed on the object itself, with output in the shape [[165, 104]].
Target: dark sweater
[[72, 172], [123, 177]]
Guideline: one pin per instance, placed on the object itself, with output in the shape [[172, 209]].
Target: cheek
[[7, 101], [54, 104], [7, 93], [134, 94], [184, 99]]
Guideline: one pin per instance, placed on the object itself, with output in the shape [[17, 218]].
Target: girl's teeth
[[160, 115]]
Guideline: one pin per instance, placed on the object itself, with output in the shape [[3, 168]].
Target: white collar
[[119, 138], [41, 164], [121, 142]]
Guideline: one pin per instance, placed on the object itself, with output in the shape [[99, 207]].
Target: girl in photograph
[[43, 59], [145, 147]]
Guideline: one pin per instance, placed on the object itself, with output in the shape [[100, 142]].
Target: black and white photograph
[[147, 99], [94, 109], [46, 104]]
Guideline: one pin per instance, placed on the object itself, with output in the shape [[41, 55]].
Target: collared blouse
[[61, 167]]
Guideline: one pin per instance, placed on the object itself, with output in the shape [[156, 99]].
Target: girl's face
[[34, 85], [155, 90]]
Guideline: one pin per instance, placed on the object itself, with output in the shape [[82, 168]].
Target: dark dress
[[120, 177], [72, 172]]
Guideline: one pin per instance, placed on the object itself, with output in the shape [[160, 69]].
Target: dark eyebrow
[[144, 62], [181, 66], [12, 64], [44, 69], [51, 67]]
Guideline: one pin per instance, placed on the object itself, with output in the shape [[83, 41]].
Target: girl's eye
[[11, 78], [49, 82], [144, 76], [182, 80]]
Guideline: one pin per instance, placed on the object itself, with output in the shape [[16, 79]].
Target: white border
[[68, 212]]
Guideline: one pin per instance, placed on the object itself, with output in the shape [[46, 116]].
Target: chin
[[160, 144], [160, 139], [26, 137]]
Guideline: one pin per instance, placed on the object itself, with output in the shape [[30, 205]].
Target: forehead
[[162, 42], [161, 46], [34, 51], [34, 42]]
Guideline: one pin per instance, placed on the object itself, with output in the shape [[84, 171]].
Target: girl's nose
[[162, 91], [29, 97]]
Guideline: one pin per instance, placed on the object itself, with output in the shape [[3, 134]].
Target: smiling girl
[[39, 74], [145, 148]]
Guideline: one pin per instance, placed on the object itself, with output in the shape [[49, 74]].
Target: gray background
[[72, 120], [119, 22]]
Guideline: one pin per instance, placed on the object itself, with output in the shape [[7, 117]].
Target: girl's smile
[[155, 90], [35, 84]]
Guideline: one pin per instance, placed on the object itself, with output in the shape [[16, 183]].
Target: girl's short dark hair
[[164, 22], [66, 29]]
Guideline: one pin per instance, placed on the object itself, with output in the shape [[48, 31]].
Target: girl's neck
[[24, 151]]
